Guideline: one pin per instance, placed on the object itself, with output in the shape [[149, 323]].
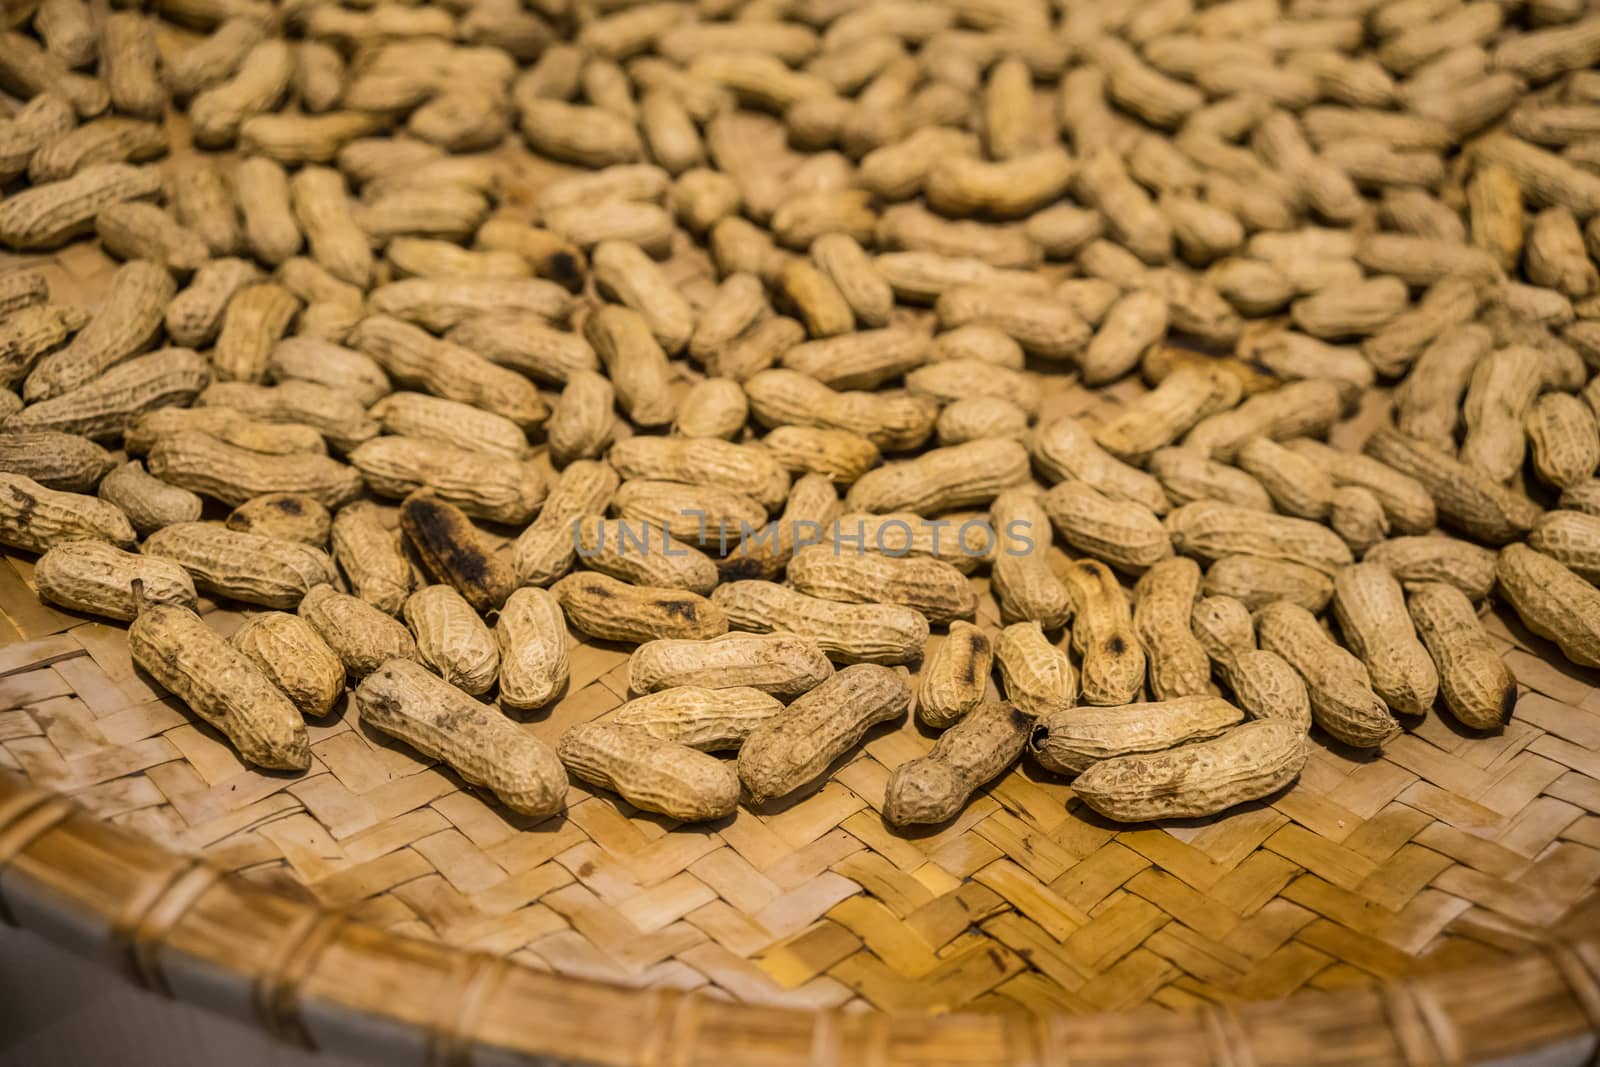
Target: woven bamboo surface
[[1444, 851]]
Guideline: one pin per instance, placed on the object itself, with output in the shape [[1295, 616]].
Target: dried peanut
[[243, 566], [294, 658], [363, 637], [1477, 687], [1342, 700], [97, 578], [453, 550]]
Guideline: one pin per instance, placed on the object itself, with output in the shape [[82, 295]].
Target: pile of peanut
[[1269, 209]]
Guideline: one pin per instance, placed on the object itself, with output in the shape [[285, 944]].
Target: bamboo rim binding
[[308, 975]]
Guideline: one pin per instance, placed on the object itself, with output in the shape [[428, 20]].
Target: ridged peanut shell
[[97, 578], [955, 678], [296, 659], [1072, 740], [970, 754], [710, 720], [1477, 686], [452, 639]]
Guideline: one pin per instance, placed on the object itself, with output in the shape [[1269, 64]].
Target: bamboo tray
[[1435, 905]]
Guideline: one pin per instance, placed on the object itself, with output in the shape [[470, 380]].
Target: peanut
[[1163, 603], [1247, 763], [873, 633], [203, 464], [705, 719], [97, 578], [368, 552], [103, 141], [1415, 560], [704, 461], [363, 637], [1022, 581], [716, 407], [1477, 687], [127, 323], [1564, 439], [650, 773], [285, 516], [148, 502], [1041, 326], [976, 750], [1369, 604], [1263, 683], [321, 207], [271, 224], [1072, 740], [255, 88], [946, 478], [603, 607], [1210, 529], [34, 518], [545, 550], [643, 554], [1428, 402], [225, 424], [1123, 534], [787, 398], [55, 460], [288, 651], [782, 665], [452, 549], [1187, 476], [243, 566], [935, 589], [1464, 497], [194, 316], [404, 700], [1103, 633], [1342, 700], [1552, 601], [220, 685], [1161, 416], [451, 639], [418, 415], [1569, 538], [413, 358], [523, 342], [635, 362], [1307, 408], [862, 360], [1405, 501], [1257, 582], [824, 724]]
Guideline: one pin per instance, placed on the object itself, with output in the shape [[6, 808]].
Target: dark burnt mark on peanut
[[1116, 645], [289, 505], [450, 548]]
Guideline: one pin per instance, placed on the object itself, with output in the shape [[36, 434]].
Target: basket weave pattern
[[1444, 852]]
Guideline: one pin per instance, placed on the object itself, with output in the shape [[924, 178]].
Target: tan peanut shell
[[148, 502], [325, 363], [945, 478], [532, 637], [271, 223], [220, 685], [1370, 607], [213, 468], [650, 773], [702, 515], [1187, 476], [97, 578], [330, 410], [225, 424], [612, 610], [643, 554], [490, 487], [934, 588], [970, 754], [961, 540], [413, 358], [1342, 700], [1043, 327], [545, 550], [1038, 677], [55, 460], [1571, 538], [34, 518], [48, 215], [136, 230], [1072, 740], [322, 209], [28, 333], [286, 516], [1476, 684], [1113, 662], [892, 422], [1209, 530], [1064, 449], [454, 551], [194, 316], [842, 455], [1415, 560], [783, 665], [127, 323], [1249, 762], [955, 678], [452, 639], [1564, 439], [1263, 683], [709, 720], [824, 724], [861, 360], [703, 461], [1404, 499], [402, 699], [1164, 414], [1298, 409], [1123, 534], [716, 407], [461, 425], [1551, 600], [851, 633], [1464, 497], [1163, 601], [363, 637], [294, 658], [1020, 576], [1256, 582]]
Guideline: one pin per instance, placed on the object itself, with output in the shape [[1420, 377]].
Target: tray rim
[[457, 1006]]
